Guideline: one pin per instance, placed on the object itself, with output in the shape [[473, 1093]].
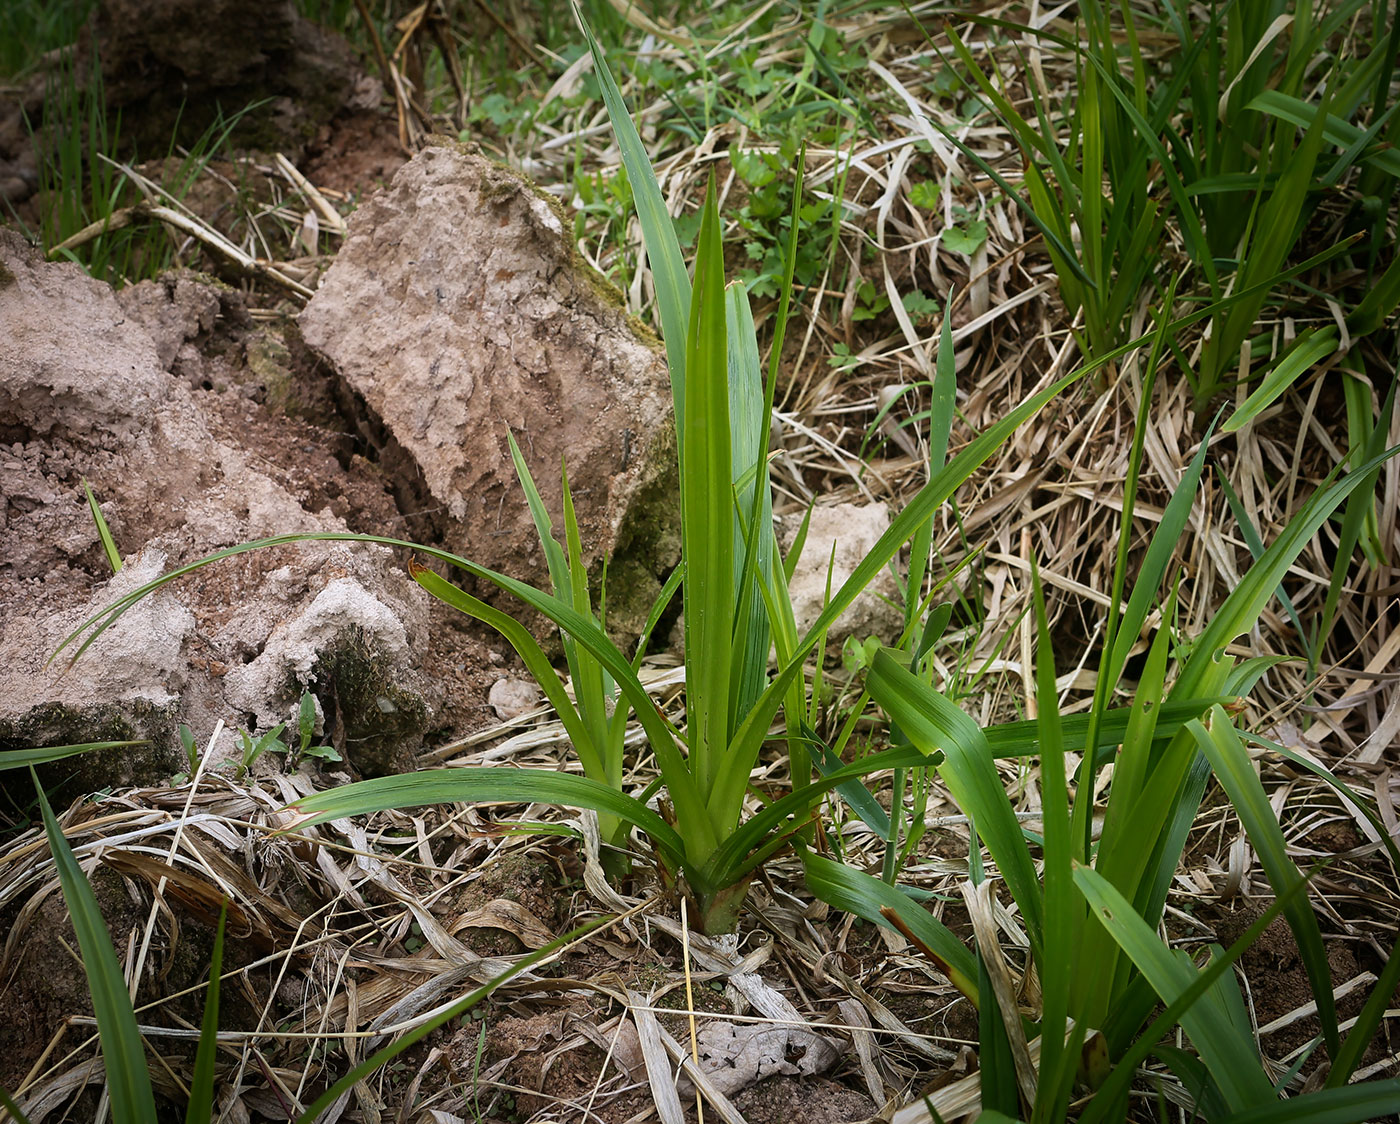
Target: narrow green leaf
[[382, 1057], [707, 524], [1229, 1056], [1223, 748], [1247, 600], [483, 785], [845, 888], [1063, 907], [1310, 348], [1111, 1095], [658, 233], [8, 1104], [532, 655], [1335, 131], [1255, 544], [933, 723], [20, 758], [201, 1106], [1371, 1100], [109, 545], [123, 1049]]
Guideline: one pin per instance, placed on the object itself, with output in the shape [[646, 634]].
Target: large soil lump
[[87, 393], [459, 311], [172, 65]]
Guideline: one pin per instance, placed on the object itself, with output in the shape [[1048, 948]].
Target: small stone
[[510, 698]]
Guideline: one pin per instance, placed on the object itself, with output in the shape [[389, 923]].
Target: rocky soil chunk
[[458, 310], [87, 393]]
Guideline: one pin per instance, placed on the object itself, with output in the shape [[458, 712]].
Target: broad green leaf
[[1370, 1100], [1247, 600], [123, 1049], [485, 785], [1230, 1056], [845, 888], [1309, 349], [1112, 1093], [707, 524], [933, 723], [1221, 744]]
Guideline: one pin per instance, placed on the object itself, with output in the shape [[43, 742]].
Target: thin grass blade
[[1230, 1057], [868, 898], [201, 1106], [485, 785], [123, 1049], [933, 723], [1222, 746]]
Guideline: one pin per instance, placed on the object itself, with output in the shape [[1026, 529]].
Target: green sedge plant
[[1091, 915], [734, 593], [1229, 150]]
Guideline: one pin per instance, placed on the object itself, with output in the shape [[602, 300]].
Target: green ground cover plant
[[1234, 147], [1092, 911], [1091, 904]]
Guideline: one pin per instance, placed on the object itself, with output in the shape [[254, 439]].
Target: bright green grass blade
[[689, 807], [1230, 1056], [1222, 746], [736, 855], [1125, 1070], [1379, 303], [1247, 600], [753, 505], [1063, 907], [1371, 1100], [1022, 738], [8, 1104], [996, 1065], [845, 888], [658, 234], [1330, 779], [1310, 348], [381, 1058], [707, 523], [532, 655], [933, 723], [109, 545], [1160, 552], [1360, 508], [19, 758], [123, 1051], [943, 400], [483, 785], [544, 527], [201, 1106], [591, 690], [1335, 131], [1279, 223]]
